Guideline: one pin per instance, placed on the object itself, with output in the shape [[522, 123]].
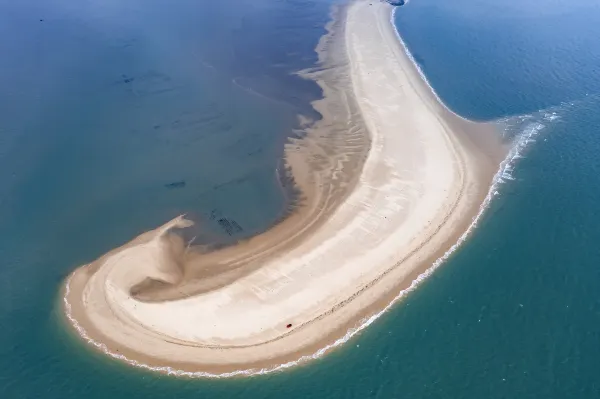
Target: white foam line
[[504, 173], [418, 67]]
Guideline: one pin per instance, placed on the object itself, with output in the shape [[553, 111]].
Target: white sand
[[418, 187]]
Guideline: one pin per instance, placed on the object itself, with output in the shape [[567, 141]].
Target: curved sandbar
[[300, 286]]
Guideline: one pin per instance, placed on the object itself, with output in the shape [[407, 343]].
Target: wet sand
[[390, 179]]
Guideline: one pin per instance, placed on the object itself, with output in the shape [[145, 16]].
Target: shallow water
[[85, 155]]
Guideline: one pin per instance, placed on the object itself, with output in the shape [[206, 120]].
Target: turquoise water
[[85, 152]]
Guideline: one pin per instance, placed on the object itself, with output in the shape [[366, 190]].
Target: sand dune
[[367, 228]]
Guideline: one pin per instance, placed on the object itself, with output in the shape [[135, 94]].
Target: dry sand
[[378, 210]]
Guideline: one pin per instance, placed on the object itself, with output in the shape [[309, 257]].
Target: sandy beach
[[384, 196]]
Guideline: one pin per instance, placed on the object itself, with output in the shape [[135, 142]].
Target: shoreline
[[456, 217]]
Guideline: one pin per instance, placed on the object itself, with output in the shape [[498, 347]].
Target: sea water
[[104, 103]]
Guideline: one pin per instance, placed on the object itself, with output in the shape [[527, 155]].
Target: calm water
[[103, 103]]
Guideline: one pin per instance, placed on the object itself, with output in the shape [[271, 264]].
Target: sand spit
[[379, 209]]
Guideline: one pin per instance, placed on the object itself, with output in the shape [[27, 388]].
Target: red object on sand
[[289, 325]]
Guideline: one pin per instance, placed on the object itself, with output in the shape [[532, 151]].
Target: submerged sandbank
[[390, 180]]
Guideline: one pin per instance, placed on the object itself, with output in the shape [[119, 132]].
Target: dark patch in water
[[256, 152], [230, 226], [232, 181], [127, 79], [176, 184]]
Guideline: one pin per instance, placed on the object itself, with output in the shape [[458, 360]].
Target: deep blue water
[[103, 103]]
